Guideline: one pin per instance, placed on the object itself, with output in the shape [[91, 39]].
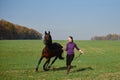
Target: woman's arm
[[78, 49]]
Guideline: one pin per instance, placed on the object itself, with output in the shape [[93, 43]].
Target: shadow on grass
[[84, 69], [64, 68], [61, 68], [57, 69]]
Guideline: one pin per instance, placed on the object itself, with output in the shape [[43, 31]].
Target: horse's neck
[[49, 45]]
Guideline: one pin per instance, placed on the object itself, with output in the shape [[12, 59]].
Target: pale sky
[[81, 19]]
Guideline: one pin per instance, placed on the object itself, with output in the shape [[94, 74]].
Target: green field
[[18, 59]]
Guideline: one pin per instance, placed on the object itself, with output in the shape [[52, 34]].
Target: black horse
[[50, 50]]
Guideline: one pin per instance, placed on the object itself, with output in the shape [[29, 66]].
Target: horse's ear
[[48, 32], [45, 32]]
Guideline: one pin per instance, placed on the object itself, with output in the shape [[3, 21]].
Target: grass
[[101, 61]]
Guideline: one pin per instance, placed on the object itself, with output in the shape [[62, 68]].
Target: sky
[[81, 19]]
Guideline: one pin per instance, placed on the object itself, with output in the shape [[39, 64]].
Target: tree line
[[11, 31], [107, 37]]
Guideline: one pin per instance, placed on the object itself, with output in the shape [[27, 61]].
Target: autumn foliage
[[107, 37], [11, 31]]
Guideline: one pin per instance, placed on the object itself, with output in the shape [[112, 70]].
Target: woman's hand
[[63, 49], [81, 51]]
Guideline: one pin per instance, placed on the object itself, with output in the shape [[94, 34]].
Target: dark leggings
[[69, 59]]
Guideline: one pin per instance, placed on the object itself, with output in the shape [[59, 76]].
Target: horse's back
[[54, 50], [57, 45]]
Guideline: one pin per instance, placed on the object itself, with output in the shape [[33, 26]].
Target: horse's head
[[47, 38]]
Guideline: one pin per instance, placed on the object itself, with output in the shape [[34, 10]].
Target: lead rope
[[77, 57]]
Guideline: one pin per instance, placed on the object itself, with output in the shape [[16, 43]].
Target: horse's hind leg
[[53, 61], [39, 63]]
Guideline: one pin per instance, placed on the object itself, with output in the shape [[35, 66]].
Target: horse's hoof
[[49, 67], [61, 58], [46, 69], [36, 69]]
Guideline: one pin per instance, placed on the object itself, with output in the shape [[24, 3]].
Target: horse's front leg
[[53, 61], [45, 66], [39, 63]]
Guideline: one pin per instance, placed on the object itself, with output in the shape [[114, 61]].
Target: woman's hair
[[71, 38]]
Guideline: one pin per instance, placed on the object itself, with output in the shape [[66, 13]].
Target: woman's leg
[[68, 62], [68, 69]]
